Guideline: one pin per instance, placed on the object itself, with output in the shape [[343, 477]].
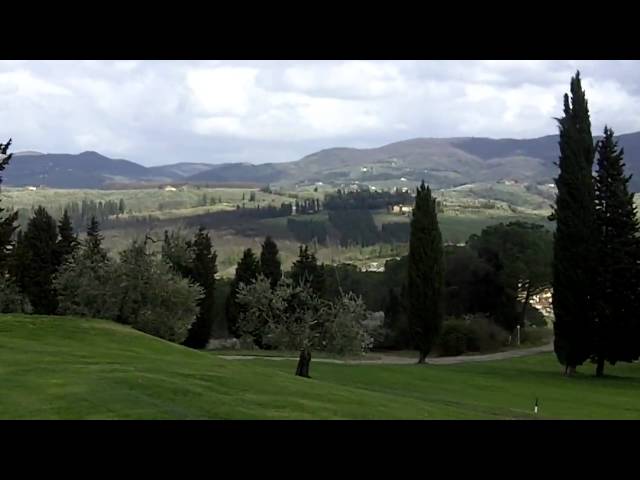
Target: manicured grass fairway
[[59, 367]]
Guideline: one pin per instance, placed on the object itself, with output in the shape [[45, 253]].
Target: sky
[[162, 112]]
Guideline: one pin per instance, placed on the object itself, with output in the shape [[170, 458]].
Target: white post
[[518, 334]]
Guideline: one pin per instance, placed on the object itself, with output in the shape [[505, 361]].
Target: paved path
[[391, 360]]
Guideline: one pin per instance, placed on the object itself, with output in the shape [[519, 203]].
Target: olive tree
[[292, 317]]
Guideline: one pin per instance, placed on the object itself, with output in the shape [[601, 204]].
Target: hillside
[[71, 368], [444, 163], [85, 170], [177, 170]]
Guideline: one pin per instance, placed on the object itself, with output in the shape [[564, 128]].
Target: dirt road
[[391, 360]]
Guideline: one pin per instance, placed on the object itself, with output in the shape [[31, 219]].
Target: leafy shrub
[[261, 306], [485, 334], [536, 336], [472, 333], [141, 290], [173, 307], [344, 330], [85, 287], [151, 297], [454, 338], [11, 299]]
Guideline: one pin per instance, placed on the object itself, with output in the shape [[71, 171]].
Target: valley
[[151, 211]]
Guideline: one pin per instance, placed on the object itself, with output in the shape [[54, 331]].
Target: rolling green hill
[[442, 162], [71, 368]]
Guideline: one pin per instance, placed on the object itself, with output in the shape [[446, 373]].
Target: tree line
[[308, 231], [366, 199], [596, 269], [308, 206]]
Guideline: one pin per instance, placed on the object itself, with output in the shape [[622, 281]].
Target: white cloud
[[220, 125], [223, 90], [24, 84], [346, 79], [158, 111]]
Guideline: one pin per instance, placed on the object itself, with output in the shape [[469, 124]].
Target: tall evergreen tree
[[270, 265], [39, 261], [203, 273], [306, 270], [425, 273], [68, 241], [574, 213], [7, 223], [93, 242], [247, 271], [617, 327], [176, 251]]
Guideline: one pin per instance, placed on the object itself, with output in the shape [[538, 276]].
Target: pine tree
[[203, 273], [617, 328], [247, 271], [93, 242], [573, 266], [7, 224], [39, 260], [306, 270], [270, 265], [425, 273], [68, 241]]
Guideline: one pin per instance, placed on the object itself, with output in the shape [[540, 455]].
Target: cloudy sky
[[159, 112]]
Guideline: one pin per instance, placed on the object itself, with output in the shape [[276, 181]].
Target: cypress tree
[[270, 265], [93, 242], [574, 213], [425, 273], [39, 261], [616, 326], [68, 241], [203, 272], [247, 271], [8, 223]]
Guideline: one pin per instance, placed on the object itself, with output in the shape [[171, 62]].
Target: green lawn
[[60, 367]]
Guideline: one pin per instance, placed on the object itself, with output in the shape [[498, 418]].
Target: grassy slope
[[137, 200], [57, 367]]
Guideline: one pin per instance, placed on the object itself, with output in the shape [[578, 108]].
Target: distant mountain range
[[441, 162]]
